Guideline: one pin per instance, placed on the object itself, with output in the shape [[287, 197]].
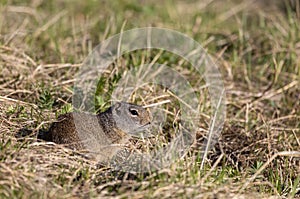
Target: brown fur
[[99, 134]]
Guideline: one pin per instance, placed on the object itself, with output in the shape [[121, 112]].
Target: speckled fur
[[100, 134]]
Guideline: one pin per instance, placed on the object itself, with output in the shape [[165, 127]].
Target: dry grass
[[42, 46]]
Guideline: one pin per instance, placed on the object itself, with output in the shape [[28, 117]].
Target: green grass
[[257, 49]]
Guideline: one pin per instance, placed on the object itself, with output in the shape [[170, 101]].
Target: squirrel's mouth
[[145, 126], [139, 131]]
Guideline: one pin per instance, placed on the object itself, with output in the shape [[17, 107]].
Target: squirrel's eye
[[133, 112]]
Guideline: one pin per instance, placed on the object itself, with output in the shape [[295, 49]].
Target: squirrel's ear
[[117, 106]]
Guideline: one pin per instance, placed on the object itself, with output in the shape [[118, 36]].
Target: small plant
[[67, 108], [46, 99]]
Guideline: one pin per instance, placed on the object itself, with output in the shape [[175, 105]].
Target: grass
[[257, 48]]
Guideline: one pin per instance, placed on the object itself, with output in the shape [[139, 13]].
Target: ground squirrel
[[101, 134]]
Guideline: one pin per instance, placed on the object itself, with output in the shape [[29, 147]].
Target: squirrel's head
[[130, 118]]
